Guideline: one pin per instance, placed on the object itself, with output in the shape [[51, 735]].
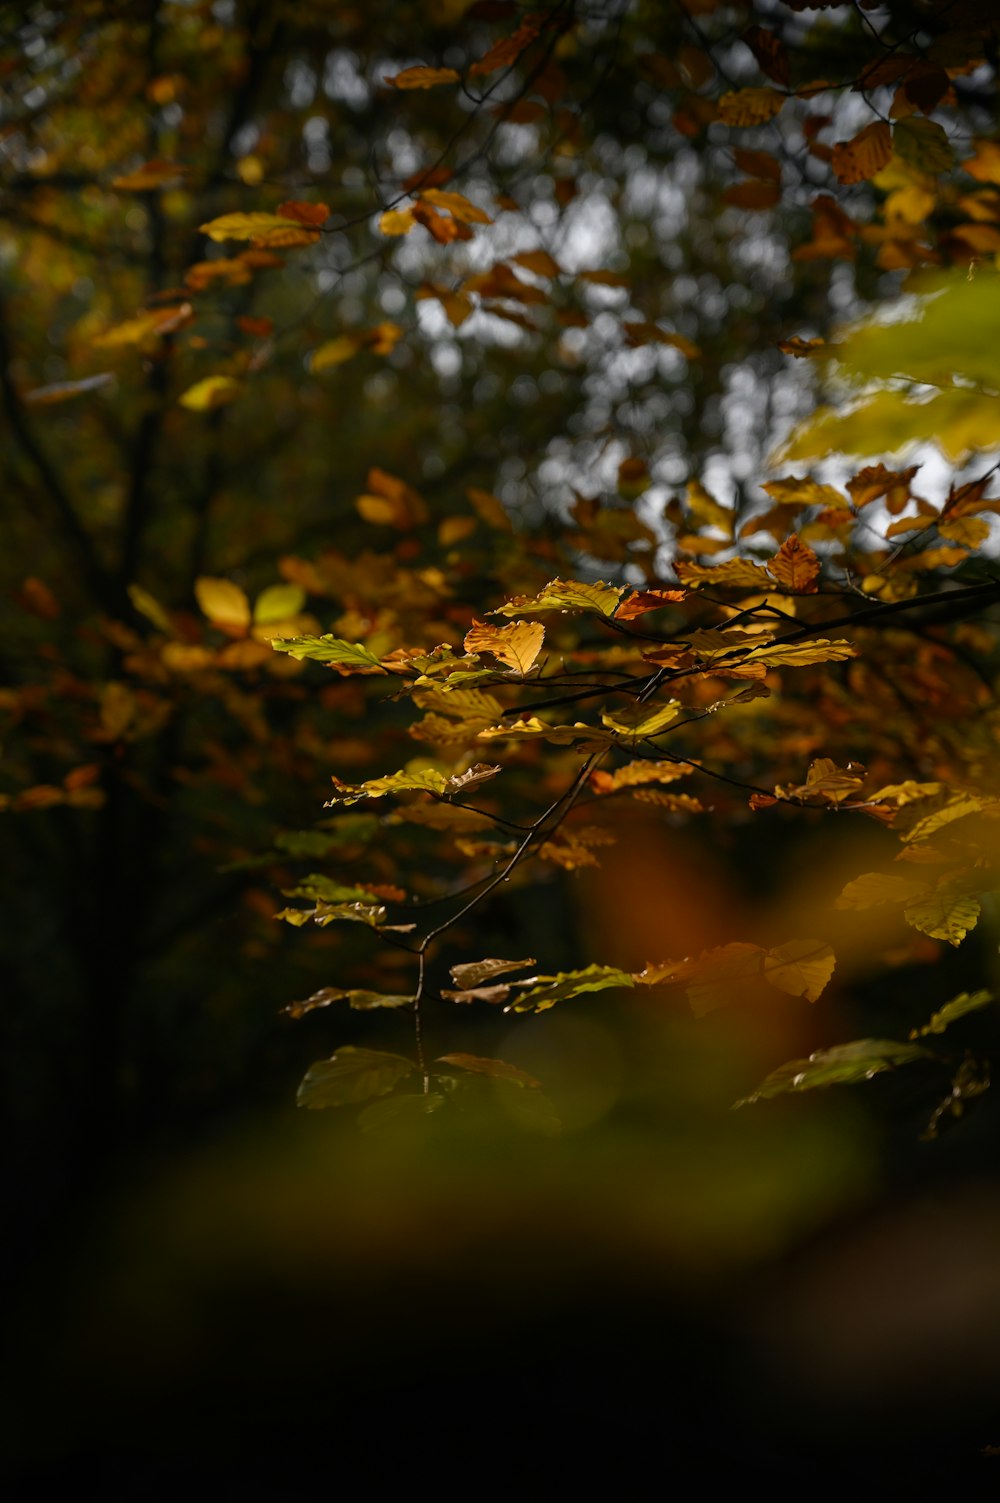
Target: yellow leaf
[[643, 720], [334, 352], [455, 204], [531, 729], [422, 78], [150, 175], [923, 817], [795, 566], [638, 773], [567, 595], [737, 573], [970, 532], [750, 106], [944, 915], [396, 221], [876, 888], [452, 530], [118, 709], [793, 491], [247, 226], [145, 327], [802, 654], [212, 392], [517, 645], [391, 502], [279, 602], [224, 603], [802, 967]]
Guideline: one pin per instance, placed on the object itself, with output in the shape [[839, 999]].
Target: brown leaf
[[795, 566]]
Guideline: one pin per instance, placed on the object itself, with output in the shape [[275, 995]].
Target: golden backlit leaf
[[566, 595], [532, 729], [146, 327], [803, 654], [743, 107], [224, 603], [416, 780], [210, 393], [793, 491], [252, 226], [422, 78], [396, 221], [517, 645], [334, 352], [736, 573], [637, 773], [544, 992], [801, 967], [643, 720], [944, 914], [455, 204], [795, 566]]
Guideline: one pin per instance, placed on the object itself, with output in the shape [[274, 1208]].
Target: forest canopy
[[500, 517]]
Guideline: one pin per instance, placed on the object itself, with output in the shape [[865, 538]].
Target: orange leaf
[[310, 214], [750, 106], [647, 600], [795, 566], [422, 78], [859, 159], [517, 645]]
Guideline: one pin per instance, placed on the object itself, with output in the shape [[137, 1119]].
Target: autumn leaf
[[255, 226], [876, 888], [647, 600], [474, 973], [795, 566], [945, 914], [844, 1064], [224, 603], [396, 221], [744, 107], [456, 204], [351, 1075], [859, 159], [155, 174], [517, 645], [345, 657], [543, 992], [498, 1069], [958, 1007], [566, 595], [212, 392], [419, 780], [334, 352], [422, 78]]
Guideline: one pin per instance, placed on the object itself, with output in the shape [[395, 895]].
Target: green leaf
[[922, 143], [400, 1114], [844, 1064], [566, 595], [352, 1075], [277, 603], [346, 657], [545, 991], [322, 889], [964, 1003]]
